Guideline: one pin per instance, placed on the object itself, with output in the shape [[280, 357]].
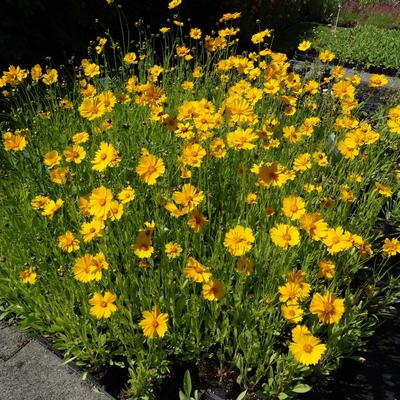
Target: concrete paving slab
[[11, 341], [34, 373]]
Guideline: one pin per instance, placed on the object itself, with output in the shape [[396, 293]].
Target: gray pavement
[[29, 371]]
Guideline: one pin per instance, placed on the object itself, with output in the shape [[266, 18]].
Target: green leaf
[[242, 395], [282, 396], [301, 388], [187, 383], [182, 396]]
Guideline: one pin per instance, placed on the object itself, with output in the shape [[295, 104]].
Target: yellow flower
[[293, 207], [337, 240], [92, 108], [174, 3], [328, 308], [104, 157], [154, 323], [150, 168], [197, 221], [103, 306], [92, 229], [239, 240], [80, 137], [28, 276], [51, 208], [116, 211], [97, 265], [314, 225], [81, 268], [306, 348], [50, 77], [130, 58], [68, 242], [251, 198], [304, 45], [74, 153], [302, 162], [188, 197], [241, 139], [385, 191], [196, 271], [13, 142], [126, 195], [326, 269], [213, 290], [36, 72], [245, 265], [326, 56], [391, 247], [51, 159], [90, 69], [100, 202], [289, 293], [285, 235], [173, 250], [193, 154], [39, 202], [108, 99], [164, 30], [195, 33], [142, 247], [377, 80], [292, 313]]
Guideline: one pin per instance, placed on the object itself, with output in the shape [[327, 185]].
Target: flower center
[[307, 348]]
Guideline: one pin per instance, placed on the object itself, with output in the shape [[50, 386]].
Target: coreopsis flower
[[304, 45], [116, 211], [217, 147], [52, 207], [14, 142], [326, 56], [68, 242], [385, 191], [74, 153], [298, 277], [59, 175], [173, 250], [187, 85], [150, 168], [321, 158], [108, 99], [196, 271], [391, 247], [36, 72], [143, 247], [245, 265], [258, 38], [306, 348], [193, 154], [81, 268], [126, 195], [241, 139], [270, 174], [50, 77], [80, 137], [164, 30], [174, 3], [251, 198], [188, 197], [92, 229], [100, 45], [104, 157], [285, 235], [39, 202], [28, 276], [376, 80], [98, 265], [14, 76], [213, 290], [239, 240], [314, 225], [92, 108], [311, 87], [100, 202], [326, 269], [290, 292], [103, 306], [195, 33], [302, 162], [51, 159], [230, 16], [154, 323], [328, 308], [90, 69], [197, 221], [293, 207], [337, 240], [292, 313]]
